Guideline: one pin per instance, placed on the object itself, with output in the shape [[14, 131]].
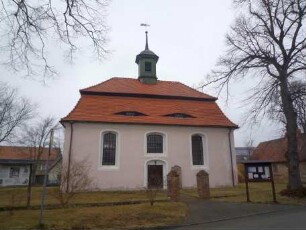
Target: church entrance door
[[155, 176]]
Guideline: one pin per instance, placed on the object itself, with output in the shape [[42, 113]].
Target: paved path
[[294, 218], [222, 215], [201, 211]]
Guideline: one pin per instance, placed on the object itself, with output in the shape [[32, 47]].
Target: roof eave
[[149, 123]]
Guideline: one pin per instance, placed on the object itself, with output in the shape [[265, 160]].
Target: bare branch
[[267, 43], [14, 112], [29, 25]]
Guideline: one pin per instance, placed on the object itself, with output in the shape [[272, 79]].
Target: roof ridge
[[187, 87]]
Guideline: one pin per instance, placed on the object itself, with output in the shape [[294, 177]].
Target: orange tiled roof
[[25, 153], [133, 86], [275, 150], [96, 107]]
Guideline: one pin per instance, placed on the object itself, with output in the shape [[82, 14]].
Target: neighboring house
[[275, 151], [14, 172], [55, 171], [131, 131], [14, 159], [243, 153]]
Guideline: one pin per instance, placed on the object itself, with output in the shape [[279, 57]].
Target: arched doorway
[[155, 173]]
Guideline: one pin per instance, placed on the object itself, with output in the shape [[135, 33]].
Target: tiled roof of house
[[26, 153], [96, 107], [275, 150], [133, 86]]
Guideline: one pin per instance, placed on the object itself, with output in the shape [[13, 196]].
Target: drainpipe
[[231, 156], [69, 155]]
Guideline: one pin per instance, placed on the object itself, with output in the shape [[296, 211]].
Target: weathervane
[[146, 25]]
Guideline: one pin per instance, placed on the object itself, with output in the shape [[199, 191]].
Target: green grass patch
[[127, 216], [16, 196], [92, 217]]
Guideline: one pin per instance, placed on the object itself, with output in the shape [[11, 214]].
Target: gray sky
[[188, 36]]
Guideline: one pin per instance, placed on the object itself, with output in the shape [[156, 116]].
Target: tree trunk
[[294, 178]]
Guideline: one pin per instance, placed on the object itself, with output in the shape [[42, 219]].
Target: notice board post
[[258, 171]]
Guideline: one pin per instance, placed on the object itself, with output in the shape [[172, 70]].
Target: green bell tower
[[146, 61]]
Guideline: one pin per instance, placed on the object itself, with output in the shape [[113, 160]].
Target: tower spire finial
[[147, 46], [146, 61], [146, 25]]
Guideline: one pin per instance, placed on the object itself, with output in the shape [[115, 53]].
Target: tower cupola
[[146, 61]]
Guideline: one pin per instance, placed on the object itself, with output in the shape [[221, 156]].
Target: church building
[[132, 131]]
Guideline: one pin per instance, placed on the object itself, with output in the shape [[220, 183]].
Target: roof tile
[[133, 86], [275, 150], [25, 153], [97, 108]]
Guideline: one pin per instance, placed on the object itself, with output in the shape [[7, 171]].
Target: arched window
[[155, 143], [197, 150], [109, 148]]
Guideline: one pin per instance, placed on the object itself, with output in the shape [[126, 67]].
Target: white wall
[[7, 180], [130, 172]]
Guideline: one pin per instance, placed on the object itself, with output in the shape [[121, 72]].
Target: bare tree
[[28, 25], [267, 44], [14, 112], [36, 137], [155, 185], [298, 92], [299, 101], [78, 179], [249, 144]]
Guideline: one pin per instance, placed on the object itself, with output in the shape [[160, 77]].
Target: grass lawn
[[259, 193], [16, 196], [122, 216], [126, 216]]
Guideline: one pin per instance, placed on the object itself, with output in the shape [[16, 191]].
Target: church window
[[148, 66], [197, 150], [155, 143], [109, 147]]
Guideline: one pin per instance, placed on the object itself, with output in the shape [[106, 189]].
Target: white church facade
[[132, 130]]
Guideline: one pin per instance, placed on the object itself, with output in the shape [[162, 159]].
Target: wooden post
[[272, 183], [44, 188], [246, 183], [29, 188]]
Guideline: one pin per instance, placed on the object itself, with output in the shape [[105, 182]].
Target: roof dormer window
[[179, 115], [130, 113]]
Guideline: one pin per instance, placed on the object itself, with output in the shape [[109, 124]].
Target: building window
[[131, 113], [109, 148], [14, 172], [197, 150], [43, 166], [179, 115], [154, 143], [148, 66]]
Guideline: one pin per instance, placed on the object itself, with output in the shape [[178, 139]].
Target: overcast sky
[[188, 37]]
